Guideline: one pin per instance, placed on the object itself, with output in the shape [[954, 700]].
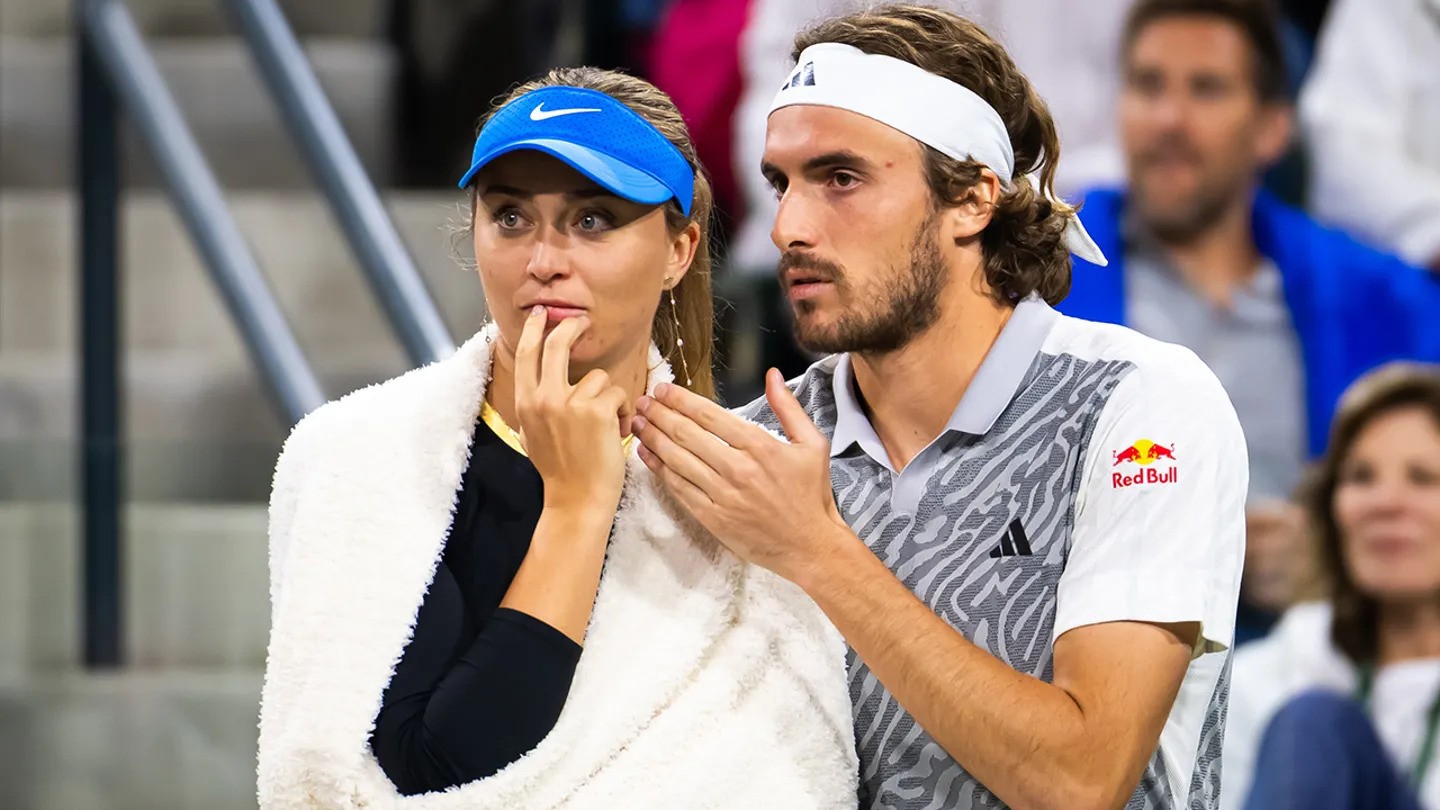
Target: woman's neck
[[1408, 631], [632, 373]]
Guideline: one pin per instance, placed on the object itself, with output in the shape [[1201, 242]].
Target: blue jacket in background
[[1352, 306]]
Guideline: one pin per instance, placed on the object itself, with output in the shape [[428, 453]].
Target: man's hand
[[768, 501]]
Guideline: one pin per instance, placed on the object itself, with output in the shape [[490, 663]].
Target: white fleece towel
[[704, 682]]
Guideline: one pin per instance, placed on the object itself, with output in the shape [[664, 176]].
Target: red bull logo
[[1144, 453]]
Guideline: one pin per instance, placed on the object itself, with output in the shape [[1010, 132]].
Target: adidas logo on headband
[[804, 76]]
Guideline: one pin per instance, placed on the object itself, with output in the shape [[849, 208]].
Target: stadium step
[[219, 91], [173, 740], [195, 587], [201, 425]]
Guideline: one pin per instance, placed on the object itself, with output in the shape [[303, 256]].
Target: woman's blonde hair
[[691, 345]]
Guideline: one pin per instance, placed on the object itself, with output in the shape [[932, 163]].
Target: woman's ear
[[682, 253], [972, 214]]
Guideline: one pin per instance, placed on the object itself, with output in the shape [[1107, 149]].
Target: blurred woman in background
[[1339, 706]]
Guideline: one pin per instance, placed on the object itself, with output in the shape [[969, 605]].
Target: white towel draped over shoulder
[[704, 682]]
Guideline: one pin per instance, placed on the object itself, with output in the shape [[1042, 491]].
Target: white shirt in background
[[1371, 111], [1297, 656]]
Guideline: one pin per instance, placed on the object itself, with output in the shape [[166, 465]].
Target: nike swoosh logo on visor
[[540, 113]]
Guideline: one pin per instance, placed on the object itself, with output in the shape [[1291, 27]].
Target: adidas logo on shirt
[[1013, 543]]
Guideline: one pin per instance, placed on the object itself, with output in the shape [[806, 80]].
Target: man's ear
[[968, 218], [1273, 136]]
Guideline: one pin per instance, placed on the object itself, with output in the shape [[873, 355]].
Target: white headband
[[929, 108]]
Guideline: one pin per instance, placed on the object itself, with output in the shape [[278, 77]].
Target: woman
[[1339, 706], [443, 633]]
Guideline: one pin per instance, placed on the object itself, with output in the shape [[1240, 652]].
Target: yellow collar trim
[[510, 436]]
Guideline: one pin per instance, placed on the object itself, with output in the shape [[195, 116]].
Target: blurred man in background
[[1286, 312]]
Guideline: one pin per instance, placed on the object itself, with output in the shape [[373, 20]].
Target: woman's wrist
[[579, 512]]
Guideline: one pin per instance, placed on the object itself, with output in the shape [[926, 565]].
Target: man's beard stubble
[[905, 310], [1183, 222]]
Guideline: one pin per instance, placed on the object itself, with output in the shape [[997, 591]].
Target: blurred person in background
[[1287, 313], [1371, 112], [1276, 566], [454, 56], [695, 58], [1339, 706], [477, 587]]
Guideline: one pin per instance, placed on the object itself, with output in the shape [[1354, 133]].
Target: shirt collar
[[1265, 283], [994, 386]]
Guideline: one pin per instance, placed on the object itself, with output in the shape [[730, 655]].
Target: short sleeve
[[1159, 527]]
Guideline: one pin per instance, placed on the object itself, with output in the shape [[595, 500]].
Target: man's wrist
[[837, 550]]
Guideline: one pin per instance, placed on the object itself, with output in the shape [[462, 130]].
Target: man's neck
[[632, 374], [1219, 259], [911, 393], [1409, 631]]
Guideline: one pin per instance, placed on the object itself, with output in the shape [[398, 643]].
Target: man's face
[[1195, 131], [860, 262]]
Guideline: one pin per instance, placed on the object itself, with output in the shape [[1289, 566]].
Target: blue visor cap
[[597, 136]]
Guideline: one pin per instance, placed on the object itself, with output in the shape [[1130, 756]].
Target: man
[[1027, 527], [1069, 52], [1285, 312]]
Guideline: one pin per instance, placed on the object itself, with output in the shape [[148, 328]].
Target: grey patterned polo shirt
[[1089, 474]]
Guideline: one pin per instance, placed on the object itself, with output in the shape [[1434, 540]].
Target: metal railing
[[392, 273], [115, 72]]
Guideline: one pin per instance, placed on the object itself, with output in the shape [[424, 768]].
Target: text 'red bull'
[[1143, 454], [1146, 475]]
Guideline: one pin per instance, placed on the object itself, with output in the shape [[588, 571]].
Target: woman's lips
[[555, 311], [558, 313]]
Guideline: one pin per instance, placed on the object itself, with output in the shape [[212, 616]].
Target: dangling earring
[[679, 341]]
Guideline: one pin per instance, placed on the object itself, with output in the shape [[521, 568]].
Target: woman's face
[[1387, 506], [547, 235]]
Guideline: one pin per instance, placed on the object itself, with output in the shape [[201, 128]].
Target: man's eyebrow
[[839, 157]]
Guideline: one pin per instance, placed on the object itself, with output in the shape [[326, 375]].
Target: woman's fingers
[[596, 386], [527, 353], [555, 364]]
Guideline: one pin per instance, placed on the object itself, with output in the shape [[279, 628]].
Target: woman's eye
[[1357, 474], [508, 219], [593, 221]]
